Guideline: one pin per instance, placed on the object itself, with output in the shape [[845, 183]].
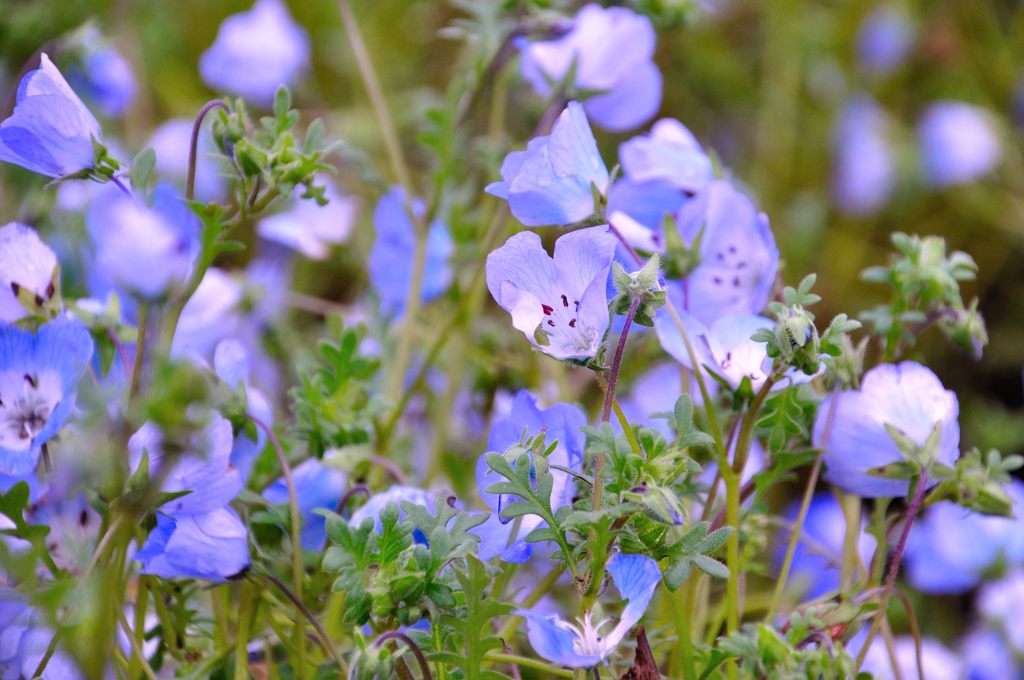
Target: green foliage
[[693, 550], [471, 624]]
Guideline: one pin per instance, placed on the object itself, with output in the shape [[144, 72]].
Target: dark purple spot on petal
[[572, 323], [551, 323], [547, 309], [565, 301]]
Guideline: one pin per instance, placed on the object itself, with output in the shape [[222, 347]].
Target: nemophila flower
[[317, 486], [959, 143], [311, 228], [104, 76], [38, 377], [554, 179], [670, 154], [143, 250], [906, 396], [654, 392], [391, 256], [559, 303], [171, 143], [397, 494], [937, 561], [74, 529], [210, 315], [50, 131], [647, 204], [256, 52], [560, 423], [25, 639], [211, 546], [201, 466], [938, 662], [986, 656], [863, 170], [1000, 604], [816, 560], [586, 643], [884, 40], [231, 364], [610, 53], [28, 272]]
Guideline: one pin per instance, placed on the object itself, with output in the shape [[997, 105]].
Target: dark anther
[[547, 309], [572, 323], [551, 323], [565, 301], [50, 290]]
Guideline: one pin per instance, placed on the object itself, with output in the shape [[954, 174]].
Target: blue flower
[[884, 40], [143, 250], [204, 469], [560, 304], [654, 392], [38, 377], [611, 52], [50, 131], [231, 364], [938, 662], [255, 52], [646, 204], [818, 553], [26, 264], [24, 640], [1000, 603], [959, 143], [171, 142], [211, 315], [906, 396], [391, 256], [561, 423], [104, 76], [212, 546], [311, 228], [317, 486], [584, 644], [395, 495], [553, 180], [936, 559], [987, 656], [864, 168], [670, 154]]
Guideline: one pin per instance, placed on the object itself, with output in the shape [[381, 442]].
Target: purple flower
[[906, 396], [395, 495], [310, 228], [611, 52], [50, 131], [585, 644], [1000, 604], [231, 364], [318, 487], [938, 662], [28, 268], [211, 546], [959, 143], [553, 180], [987, 656], [211, 315], [863, 172], [172, 141], [884, 40], [39, 374], [104, 76], [256, 52], [670, 154], [559, 303]]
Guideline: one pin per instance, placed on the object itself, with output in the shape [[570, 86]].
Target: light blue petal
[[553, 640], [636, 577], [631, 103], [212, 547]]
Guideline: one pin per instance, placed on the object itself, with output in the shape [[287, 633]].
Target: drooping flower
[[211, 546], [391, 257], [559, 303], [884, 40], [814, 570], [38, 377], [560, 423], [586, 643], [171, 142], [670, 154], [255, 52], [907, 396], [610, 52], [937, 561], [140, 249], [28, 268], [311, 228], [553, 180], [50, 131], [203, 468], [864, 168], [959, 143], [317, 486]]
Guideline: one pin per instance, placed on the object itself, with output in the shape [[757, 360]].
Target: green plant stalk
[[140, 351], [141, 598], [542, 588], [220, 615], [683, 620], [851, 506], [137, 652], [794, 539], [242, 632], [525, 662]]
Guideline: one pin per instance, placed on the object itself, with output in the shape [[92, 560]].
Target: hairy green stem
[[525, 662], [242, 632]]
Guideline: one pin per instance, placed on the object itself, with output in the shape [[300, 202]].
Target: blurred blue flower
[[26, 263], [256, 52], [310, 228], [24, 640], [937, 561], [583, 644], [561, 423], [863, 172], [670, 154], [884, 40], [317, 486], [987, 657], [212, 546], [610, 52], [1000, 604], [391, 257], [647, 204], [104, 77], [656, 391], [172, 141], [38, 377], [231, 364], [396, 495], [553, 180], [938, 662], [959, 143], [143, 250], [907, 396], [815, 567], [204, 469], [50, 131], [559, 303], [211, 315]]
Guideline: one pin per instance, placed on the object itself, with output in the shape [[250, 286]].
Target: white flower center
[[589, 641], [26, 403], [562, 322]]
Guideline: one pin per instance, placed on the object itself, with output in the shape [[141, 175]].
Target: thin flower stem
[[413, 647], [613, 374], [190, 183], [140, 351], [242, 633], [542, 588], [137, 652], [311, 617], [851, 506], [120, 185], [894, 567], [525, 662], [296, 535], [141, 600]]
